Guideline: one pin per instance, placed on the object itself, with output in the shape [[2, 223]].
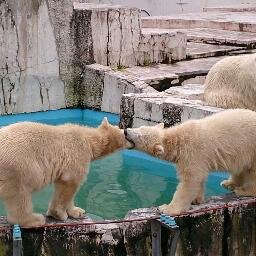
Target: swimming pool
[[122, 181]]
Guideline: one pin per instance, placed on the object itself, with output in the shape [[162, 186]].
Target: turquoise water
[[122, 181]]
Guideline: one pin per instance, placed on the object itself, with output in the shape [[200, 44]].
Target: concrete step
[[163, 76], [212, 36], [202, 50], [232, 8], [171, 107], [234, 21], [104, 87]]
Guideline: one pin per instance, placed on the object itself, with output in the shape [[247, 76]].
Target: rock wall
[[29, 62]]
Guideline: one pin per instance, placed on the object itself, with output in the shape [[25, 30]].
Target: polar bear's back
[[231, 123], [228, 139], [231, 83], [34, 153]]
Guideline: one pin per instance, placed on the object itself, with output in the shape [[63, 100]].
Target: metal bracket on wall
[[17, 241], [168, 222]]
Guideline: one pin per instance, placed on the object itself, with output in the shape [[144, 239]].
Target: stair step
[[171, 107], [235, 21], [232, 8], [212, 36], [201, 50], [172, 74]]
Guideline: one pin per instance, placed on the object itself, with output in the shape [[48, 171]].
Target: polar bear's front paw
[[58, 214], [228, 184], [170, 209], [76, 212]]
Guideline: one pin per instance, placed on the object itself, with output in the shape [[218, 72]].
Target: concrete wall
[[29, 63]]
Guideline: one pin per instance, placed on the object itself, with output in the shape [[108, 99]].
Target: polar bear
[[33, 155], [231, 83], [223, 141]]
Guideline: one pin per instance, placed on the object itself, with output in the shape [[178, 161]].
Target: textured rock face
[[161, 47], [175, 105], [29, 66], [117, 41], [113, 32]]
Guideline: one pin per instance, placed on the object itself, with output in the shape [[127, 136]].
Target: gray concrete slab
[[236, 21], [213, 36]]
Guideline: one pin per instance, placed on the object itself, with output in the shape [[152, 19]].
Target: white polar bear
[[33, 155], [231, 83], [224, 141]]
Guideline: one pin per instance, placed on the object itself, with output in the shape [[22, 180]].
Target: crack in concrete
[[4, 100], [108, 38], [132, 33], [40, 91], [121, 40], [29, 67]]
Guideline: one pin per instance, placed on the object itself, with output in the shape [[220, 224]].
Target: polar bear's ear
[[160, 125], [158, 150], [104, 123]]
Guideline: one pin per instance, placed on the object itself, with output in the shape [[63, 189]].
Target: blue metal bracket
[[168, 222], [17, 241]]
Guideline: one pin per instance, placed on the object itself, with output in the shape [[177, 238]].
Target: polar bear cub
[[33, 155], [224, 141], [231, 83]]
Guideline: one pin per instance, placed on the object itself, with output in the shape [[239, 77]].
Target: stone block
[[161, 47], [173, 106], [113, 33]]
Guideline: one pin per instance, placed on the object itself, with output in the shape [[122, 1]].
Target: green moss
[[146, 62], [3, 248], [120, 67]]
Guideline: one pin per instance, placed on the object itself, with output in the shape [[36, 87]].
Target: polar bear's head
[[113, 137], [147, 138]]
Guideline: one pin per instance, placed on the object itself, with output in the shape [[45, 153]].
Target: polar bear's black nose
[[125, 132]]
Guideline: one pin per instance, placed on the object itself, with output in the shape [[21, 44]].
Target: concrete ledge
[[202, 50], [212, 36], [245, 21], [102, 88], [232, 8], [221, 226], [173, 106], [150, 109]]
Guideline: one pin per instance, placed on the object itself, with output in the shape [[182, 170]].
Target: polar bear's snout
[[129, 136]]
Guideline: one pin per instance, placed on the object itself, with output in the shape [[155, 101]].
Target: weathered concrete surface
[[245, 21], [173, 106], [162, 76], [212, 36], [29, 63], [245, 7], [202, 50], [221, 226], [115, 38], [161, 47], [103, 88], [114, 33]]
